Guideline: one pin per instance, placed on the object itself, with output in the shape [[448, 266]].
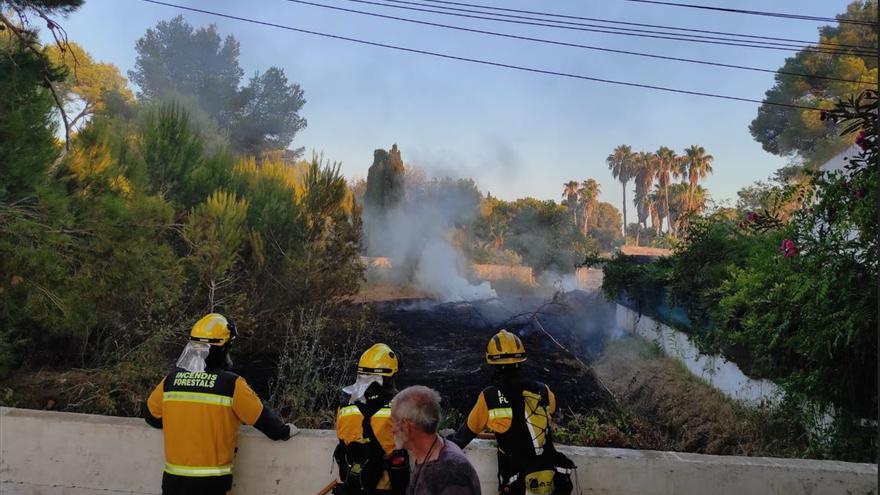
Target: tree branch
[[85, 111], [27, 39]]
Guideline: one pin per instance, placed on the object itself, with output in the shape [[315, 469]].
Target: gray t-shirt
[[450, 474]]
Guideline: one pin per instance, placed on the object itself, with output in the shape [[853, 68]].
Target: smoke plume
[[416, 229]]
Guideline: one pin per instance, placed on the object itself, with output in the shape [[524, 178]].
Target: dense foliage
[[789, 292], [111, 249], [174, 58], [794, 131], [541, 233]]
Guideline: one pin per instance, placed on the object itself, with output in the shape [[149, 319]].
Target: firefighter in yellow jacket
[[366, 456], [200, 406], [518, 411]]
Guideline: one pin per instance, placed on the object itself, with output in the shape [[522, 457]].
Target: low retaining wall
[[719, 372], [53, 453]]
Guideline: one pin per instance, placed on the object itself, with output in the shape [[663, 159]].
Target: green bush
[[790, 298], [642, 283]]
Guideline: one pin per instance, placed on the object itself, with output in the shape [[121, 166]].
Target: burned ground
[[571, 345], [443, 345]]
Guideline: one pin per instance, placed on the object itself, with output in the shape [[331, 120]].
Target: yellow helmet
[[505, 348], [213, 329], [379, 360]]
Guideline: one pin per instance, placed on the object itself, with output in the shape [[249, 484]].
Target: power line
[[685, 36], [577, 45], [480, 61], [589, 28], [618, 30], [657, 26], [758, 12]]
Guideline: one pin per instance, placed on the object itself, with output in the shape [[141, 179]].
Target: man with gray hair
[[440, 467]]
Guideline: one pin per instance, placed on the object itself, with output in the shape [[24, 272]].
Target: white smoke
[[438, 272], [417, 237], [558, 282]]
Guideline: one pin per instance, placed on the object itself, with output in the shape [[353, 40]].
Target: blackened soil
[[443, 345]]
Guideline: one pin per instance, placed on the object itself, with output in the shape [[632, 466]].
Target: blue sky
[[517, 134]]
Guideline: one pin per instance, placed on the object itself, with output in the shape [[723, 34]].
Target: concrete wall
[[719, 372], [52, 453]]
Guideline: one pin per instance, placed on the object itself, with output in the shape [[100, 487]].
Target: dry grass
[[386, 291], [696, 416]]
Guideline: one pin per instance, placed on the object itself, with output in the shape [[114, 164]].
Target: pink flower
[[859, 194], [789, 248], [862, 140], [751, 217]]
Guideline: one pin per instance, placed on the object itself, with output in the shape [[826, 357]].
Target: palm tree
[[678, 204], [620, 164], [589, 195], [699, 165], [679, 172], [667, 164], [644, 171], [659, 212], [653, 204], [683, 203], [570, 194], [698, 199]]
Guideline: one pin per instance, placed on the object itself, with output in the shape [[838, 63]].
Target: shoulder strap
[[366, 423], [366, 416], [545, 396], [545, 403]]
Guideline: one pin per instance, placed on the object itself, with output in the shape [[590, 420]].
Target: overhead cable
[[481, 61], [758, 12], [628, 23], [578, 45], [577, 26]]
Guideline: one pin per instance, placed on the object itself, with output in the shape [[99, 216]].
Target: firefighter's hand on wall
[[293, 430]]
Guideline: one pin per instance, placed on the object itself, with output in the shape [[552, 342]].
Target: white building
[[838, 162]]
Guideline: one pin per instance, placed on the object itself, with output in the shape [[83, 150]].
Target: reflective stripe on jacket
[[350, 428], [531, 404], [200, 414]]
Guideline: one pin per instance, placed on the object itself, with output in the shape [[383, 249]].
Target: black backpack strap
[[545, 395], [490, 395], [366, 423], [369, 456]]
